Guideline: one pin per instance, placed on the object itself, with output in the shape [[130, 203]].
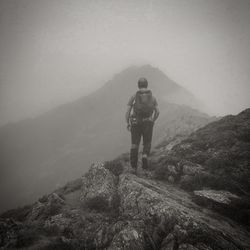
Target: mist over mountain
[[40, 154]]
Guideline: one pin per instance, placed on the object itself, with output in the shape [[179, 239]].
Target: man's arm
[[156, 113], [128, 112], [127, 116]]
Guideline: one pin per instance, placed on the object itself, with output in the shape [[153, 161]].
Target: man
[[145, 111]]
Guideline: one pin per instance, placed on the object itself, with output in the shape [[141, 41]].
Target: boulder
[[149, 214], [224, 202], [144, 200], [46, 207], [99, 186], [218, 197]]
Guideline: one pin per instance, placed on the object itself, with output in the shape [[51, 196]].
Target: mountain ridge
[[164, 207], [110, 83], [52, 148]]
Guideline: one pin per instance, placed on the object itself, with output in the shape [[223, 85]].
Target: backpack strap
[[134, 99]]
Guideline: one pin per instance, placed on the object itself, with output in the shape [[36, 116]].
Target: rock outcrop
[[179, 203], [215, 157], [216, 197], [99, 185], [147, 214], [169, 220]]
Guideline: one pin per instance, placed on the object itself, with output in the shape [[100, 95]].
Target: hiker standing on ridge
[[141, 122]]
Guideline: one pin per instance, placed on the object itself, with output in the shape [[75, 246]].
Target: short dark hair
[[142, 83]]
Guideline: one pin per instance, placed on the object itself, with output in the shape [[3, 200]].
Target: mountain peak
[[125, 82], [53, 147], [144, 67], [145, 70]]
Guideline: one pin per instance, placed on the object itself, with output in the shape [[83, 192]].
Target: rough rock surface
[[216, 196], [99, 183], [128, 238], [214, 157], [220, 151], [148, 214], [114, 209], [45, 207], [192, 169], [174, 216]]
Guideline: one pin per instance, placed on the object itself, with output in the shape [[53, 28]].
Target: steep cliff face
[[111, 209]]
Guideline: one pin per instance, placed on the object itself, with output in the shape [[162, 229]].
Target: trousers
[[140, 130]]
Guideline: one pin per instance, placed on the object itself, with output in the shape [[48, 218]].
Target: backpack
[[144, 104]]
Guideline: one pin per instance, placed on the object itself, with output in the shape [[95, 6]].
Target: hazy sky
[[53, 51]]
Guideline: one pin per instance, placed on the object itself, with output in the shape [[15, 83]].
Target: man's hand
[[156, 113], [151, 119], [128, 127]]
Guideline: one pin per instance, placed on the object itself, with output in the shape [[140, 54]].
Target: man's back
[[140, 116], [139, 104]]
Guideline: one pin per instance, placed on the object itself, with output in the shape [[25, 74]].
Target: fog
[[54, 51]]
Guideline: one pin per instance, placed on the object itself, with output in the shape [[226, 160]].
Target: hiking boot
[[133, 157], [144, 162]]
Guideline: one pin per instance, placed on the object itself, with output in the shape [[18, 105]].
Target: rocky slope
[[113, 209], [218, 153], [214, 162], [59, 145], [177, 204]]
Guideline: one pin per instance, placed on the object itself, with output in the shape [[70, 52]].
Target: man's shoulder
[[154, 100]]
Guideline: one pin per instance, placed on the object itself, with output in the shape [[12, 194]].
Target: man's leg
[[135, 140], [147, 139]]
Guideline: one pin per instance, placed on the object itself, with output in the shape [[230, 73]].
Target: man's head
[[142, 83]]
